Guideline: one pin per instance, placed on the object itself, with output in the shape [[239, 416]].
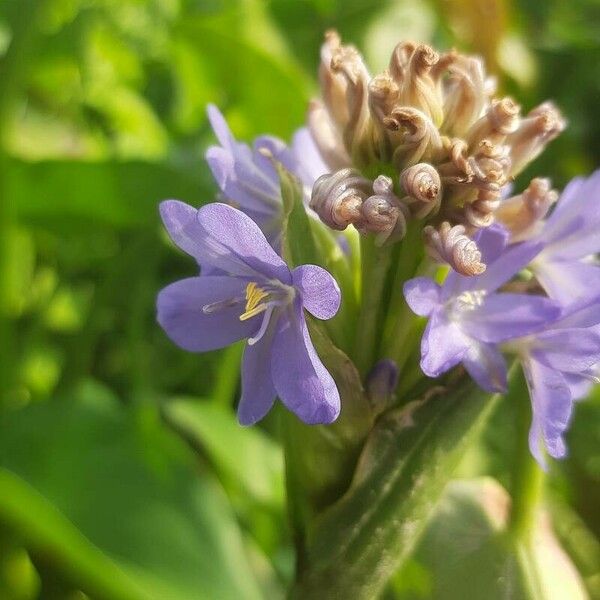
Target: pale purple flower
[[247, 178], [566, 266], [250, 294], [560, 364], [468, 318]]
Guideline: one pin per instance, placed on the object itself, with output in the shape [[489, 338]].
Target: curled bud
[[540, 127], [480, 212], [500, 120], [490, 165], [411, 66], [337, 198], [451, 245], [333, 84], [418, 136], [326, 136], [383, 213], [422, 184], [466, 94], [522, 214]]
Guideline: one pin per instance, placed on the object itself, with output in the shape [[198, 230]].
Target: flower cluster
[[555, 336], [424, 145], [433, 119]]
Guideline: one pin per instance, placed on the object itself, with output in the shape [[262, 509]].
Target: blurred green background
[[123, 473]]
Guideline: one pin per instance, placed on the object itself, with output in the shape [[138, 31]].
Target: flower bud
[[381, 383], [417, 135], [411, 66], [480, 212], [326, 136], [383, 213], [501, 119], [522, 214], [451, 245], [540, 127], [337, 198], [466, 94], [422, 184]]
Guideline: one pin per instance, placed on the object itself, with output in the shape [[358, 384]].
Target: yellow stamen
[[254, 296]]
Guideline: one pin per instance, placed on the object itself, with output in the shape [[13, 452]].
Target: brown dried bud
[[333, 84], [465, 95], [501, 119], [480, 213], [337, 198], [422, 184], [522, 214], [410, 66], [540, 127], [383, 213], [418, 136], [327, 137], [451, 245], [490, 165]]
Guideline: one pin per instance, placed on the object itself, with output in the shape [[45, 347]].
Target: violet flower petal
[[568, 281], [320, 292], [443, 345], [486, 365], [552, 405], [258, 392], [422, 295], [181, 222], [233, 242], [508, 316], [568, 350], [578, 199], [180, 312], [301, 380]]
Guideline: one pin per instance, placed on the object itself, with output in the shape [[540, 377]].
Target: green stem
[[375, 263], [527, 479], [402, 323]]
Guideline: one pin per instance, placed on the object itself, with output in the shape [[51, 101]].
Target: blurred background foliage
[[123, 473]]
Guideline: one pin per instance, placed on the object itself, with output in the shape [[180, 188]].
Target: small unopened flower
[[249, 181], [468, 318], [523, 214], [251, 294]]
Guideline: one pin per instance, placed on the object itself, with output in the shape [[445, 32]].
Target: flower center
[[265, 299], [254, 296], [466, 302]]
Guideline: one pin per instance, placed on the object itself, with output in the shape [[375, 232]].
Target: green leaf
[[357, 544], [119, 510], [119, 194], [244, 455], [466, 553]]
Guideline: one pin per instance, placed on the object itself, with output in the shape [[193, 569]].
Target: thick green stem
[[527, 479], [375, 263]]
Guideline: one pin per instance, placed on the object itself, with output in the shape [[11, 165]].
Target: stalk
[[527, 477], [375, 263]]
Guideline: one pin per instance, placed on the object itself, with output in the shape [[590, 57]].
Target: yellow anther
[[254, 296]]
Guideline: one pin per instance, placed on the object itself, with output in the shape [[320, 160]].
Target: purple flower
[[248, 179], [250, 293], [560, 364], [565, 266], [468, 318]]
